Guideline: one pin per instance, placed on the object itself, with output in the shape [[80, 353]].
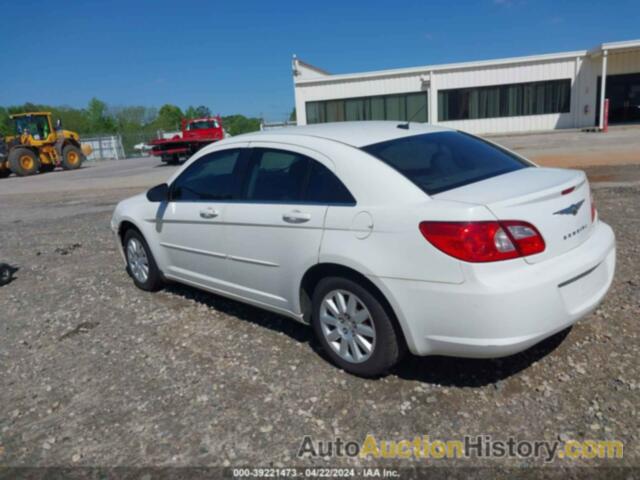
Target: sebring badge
[[571, 209]]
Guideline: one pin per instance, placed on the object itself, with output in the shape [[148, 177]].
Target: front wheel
[[72, 157], [140, 262], [354, 328]]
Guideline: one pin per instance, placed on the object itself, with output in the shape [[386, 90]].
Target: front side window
[[215, 176], [442, 161]]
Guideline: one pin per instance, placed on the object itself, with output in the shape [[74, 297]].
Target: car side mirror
[[159, 193]]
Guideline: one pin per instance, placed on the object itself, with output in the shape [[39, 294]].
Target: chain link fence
[[105, 147], [118, 146], [135, 143]]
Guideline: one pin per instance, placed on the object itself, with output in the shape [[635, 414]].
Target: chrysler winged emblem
[[571, 209]]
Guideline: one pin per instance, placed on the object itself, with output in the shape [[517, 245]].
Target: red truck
[[196, 133]]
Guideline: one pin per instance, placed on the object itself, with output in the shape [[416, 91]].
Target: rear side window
[[212, 177], [325, 188], [276, 176], [281, 176], [442, 161]]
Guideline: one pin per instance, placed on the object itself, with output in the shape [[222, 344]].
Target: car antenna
[[405, 125]]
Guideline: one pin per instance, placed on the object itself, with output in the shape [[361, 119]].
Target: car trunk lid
[[556, 201]]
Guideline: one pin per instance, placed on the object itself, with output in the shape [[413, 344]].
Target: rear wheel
[[354, 328], [171, 159], [72, 157], [140, 262], [23, 161]]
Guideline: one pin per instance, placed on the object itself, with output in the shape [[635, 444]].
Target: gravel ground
[[95, 372], [568, 148]]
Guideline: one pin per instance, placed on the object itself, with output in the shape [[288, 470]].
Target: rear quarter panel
[[393, 246]]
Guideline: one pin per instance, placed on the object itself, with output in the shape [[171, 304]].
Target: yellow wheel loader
[[36, 146]]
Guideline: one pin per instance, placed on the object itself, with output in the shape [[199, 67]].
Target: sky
[[235, 56]]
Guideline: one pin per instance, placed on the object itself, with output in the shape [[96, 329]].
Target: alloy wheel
[[347, 326], [138, 261]]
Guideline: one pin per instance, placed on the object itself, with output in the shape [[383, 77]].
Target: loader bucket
[[86, 149]]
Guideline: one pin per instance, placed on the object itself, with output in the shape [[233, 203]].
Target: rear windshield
[[202, 125], [442, 161]]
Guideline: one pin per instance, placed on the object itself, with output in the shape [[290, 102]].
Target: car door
[[275, 231], [191, 226]]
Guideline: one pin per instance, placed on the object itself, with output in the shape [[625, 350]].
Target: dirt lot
[[94, 372], [571, 148]]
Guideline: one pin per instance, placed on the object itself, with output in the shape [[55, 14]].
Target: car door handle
[[296, 216], [209, 213]]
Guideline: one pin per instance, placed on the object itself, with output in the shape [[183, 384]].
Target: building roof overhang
[[616, 47], [427, 69]]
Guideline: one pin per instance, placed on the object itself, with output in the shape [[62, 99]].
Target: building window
[[316, 113], [533, 98], [335, 111], [411, 106], [395, 107]]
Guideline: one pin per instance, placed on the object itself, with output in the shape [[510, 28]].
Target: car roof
[[356, 134]]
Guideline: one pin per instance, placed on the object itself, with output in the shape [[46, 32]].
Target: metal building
[[534, 93]]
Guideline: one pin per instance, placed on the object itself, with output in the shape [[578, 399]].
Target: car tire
[[5, 274], [141, 265], [23, 162], [72, 157], [360, 319]]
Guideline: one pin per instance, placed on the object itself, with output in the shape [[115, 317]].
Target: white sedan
[[382, 236]]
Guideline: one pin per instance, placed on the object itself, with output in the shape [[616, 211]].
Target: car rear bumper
[[504, 307]]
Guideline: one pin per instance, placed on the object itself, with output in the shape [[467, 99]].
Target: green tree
[[293, 115], [134, 123], [74, 119], [99, 121], [190, 112], [169, 117], [5, 124], [197, 112], [203, 111], [238, 124], [131, 118]]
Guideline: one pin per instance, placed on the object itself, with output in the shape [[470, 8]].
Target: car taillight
[[484, 241]]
